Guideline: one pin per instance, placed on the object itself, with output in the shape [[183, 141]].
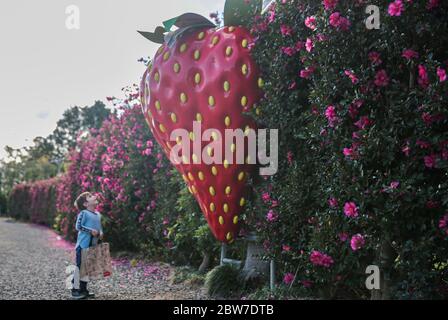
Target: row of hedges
[[363, 146], [34, 202]]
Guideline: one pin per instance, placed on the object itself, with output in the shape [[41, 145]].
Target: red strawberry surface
[[209, 76]]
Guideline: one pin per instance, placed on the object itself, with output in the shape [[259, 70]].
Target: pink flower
[[334, 19], [330, 114], [286, 248], [310, 22], [265, 197], [338, 21], [352, 76], [288, 278], [410, 54], [430, 161], [375, 58], [309, 44], [394, 184], [441, 73], [363, 123], [299, 45], [286, 30], [330, 4], [406, 150], [348, 152], [395, 8], [343, 236], [271, 17], [357, 242], [307, 72], [423, 79], [381, 78], [333, 202], [320, 259], [351, 210], [289, 51], [271, 216], [443, 223]]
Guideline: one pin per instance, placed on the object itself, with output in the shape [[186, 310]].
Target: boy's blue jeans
[[82, 284]]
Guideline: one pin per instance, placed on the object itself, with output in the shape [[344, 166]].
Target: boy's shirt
[[86, 222]]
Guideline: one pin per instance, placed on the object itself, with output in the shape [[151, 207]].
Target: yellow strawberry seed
[[183, 48], [176, 67], [227, 121], [197, 78], [197, 55], [211, 101], [226, 86]]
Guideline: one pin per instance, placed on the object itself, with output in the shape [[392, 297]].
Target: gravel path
[[33, 261]]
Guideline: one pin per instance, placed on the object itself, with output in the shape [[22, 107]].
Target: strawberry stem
[[184, 22]]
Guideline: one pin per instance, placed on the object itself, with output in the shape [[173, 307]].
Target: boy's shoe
[[76, 295], [88, 294]]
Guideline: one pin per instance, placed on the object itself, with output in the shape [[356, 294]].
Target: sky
[[46, 68]]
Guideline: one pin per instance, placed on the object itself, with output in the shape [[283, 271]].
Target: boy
[[88, 225]]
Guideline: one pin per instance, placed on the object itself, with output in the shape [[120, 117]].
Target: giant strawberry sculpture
[[205, 74]]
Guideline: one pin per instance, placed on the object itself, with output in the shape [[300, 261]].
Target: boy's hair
[[82, 198]]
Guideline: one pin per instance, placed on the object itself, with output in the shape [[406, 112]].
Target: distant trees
[[46, 157]]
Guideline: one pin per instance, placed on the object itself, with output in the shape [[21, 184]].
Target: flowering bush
[[363, 146], [35, 202]]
